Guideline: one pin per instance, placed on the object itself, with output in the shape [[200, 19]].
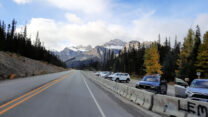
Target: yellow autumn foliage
[[151, 60]]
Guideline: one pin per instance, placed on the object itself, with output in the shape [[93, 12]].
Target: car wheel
[[163, 89], [117, 80], [127, 81]]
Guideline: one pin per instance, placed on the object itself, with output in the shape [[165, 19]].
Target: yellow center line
[[34, 92], [26, 94], [23, 96]]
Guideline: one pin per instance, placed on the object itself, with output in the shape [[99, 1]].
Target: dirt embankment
[[13, 66]]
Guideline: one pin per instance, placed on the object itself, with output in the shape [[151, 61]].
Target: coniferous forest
[[182, 60], [20, 43]]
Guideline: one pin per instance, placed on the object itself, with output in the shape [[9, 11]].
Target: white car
[[97, 73], [121, 77], [104, 74], [180, 87]]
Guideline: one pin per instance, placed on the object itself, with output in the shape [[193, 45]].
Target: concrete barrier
[[195, 108], [179, 107], [125, 90], [130, 92], [143, 98], [120, 89], [117, 88], [133, 95], [166, 105]]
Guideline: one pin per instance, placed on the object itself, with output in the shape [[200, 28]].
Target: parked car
[[118, 77], [198, 90], [180, 87], [104, 74], [108, 75], [153, 83], [97, 73]]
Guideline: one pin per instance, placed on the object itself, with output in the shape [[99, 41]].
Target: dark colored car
[[153, 83]]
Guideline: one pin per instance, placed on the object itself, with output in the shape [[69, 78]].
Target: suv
[[198, 90], [118, 77], [153, 83]]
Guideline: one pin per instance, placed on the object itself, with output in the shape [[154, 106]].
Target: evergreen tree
[[140, 60], [25, 32], [164, 50], [194, 54], [37, 41], [184, 61], [20, 44], [202, 58], [159, 39]]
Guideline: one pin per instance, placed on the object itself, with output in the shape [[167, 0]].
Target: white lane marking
[[97, 104]]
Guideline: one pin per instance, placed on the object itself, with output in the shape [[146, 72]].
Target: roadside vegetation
[[21, 44], [178, 60]]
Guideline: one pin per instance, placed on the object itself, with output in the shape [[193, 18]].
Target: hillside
[[11, 63]]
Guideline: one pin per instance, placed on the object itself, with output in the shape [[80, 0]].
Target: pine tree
[[25, 32], [19, 43], [184, 60], [37, 41], [159, 39], [194, 54], [151, 60], [202, 58]]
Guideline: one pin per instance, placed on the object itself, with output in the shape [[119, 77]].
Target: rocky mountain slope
[[83, 55], [136, 44], [67, 54], [18, 66], [114, 44]]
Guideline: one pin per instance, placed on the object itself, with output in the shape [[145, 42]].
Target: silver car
[[198, 90]]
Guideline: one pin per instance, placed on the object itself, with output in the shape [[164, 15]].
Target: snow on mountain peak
[[81, 48], [115, 44]]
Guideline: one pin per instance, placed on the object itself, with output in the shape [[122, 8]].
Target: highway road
[[65, 94]]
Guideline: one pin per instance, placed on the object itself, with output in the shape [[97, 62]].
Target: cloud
[[148, 27], [22, 1], [72, 18], [58, 35], [86, 6], [201, 20]]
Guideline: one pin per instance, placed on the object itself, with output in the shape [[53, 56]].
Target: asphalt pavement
[[66, 94]]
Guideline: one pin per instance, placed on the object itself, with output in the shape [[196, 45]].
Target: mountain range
[[77, 56]]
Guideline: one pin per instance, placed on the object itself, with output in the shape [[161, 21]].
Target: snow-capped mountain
[[136, 44], [95, 54], [114, 44], [81, 48], [67, 53], [76, 56], [132, 44]]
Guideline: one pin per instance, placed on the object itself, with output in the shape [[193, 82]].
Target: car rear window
[[150, 79]]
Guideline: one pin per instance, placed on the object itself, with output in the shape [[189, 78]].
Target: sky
[[64, 23]]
